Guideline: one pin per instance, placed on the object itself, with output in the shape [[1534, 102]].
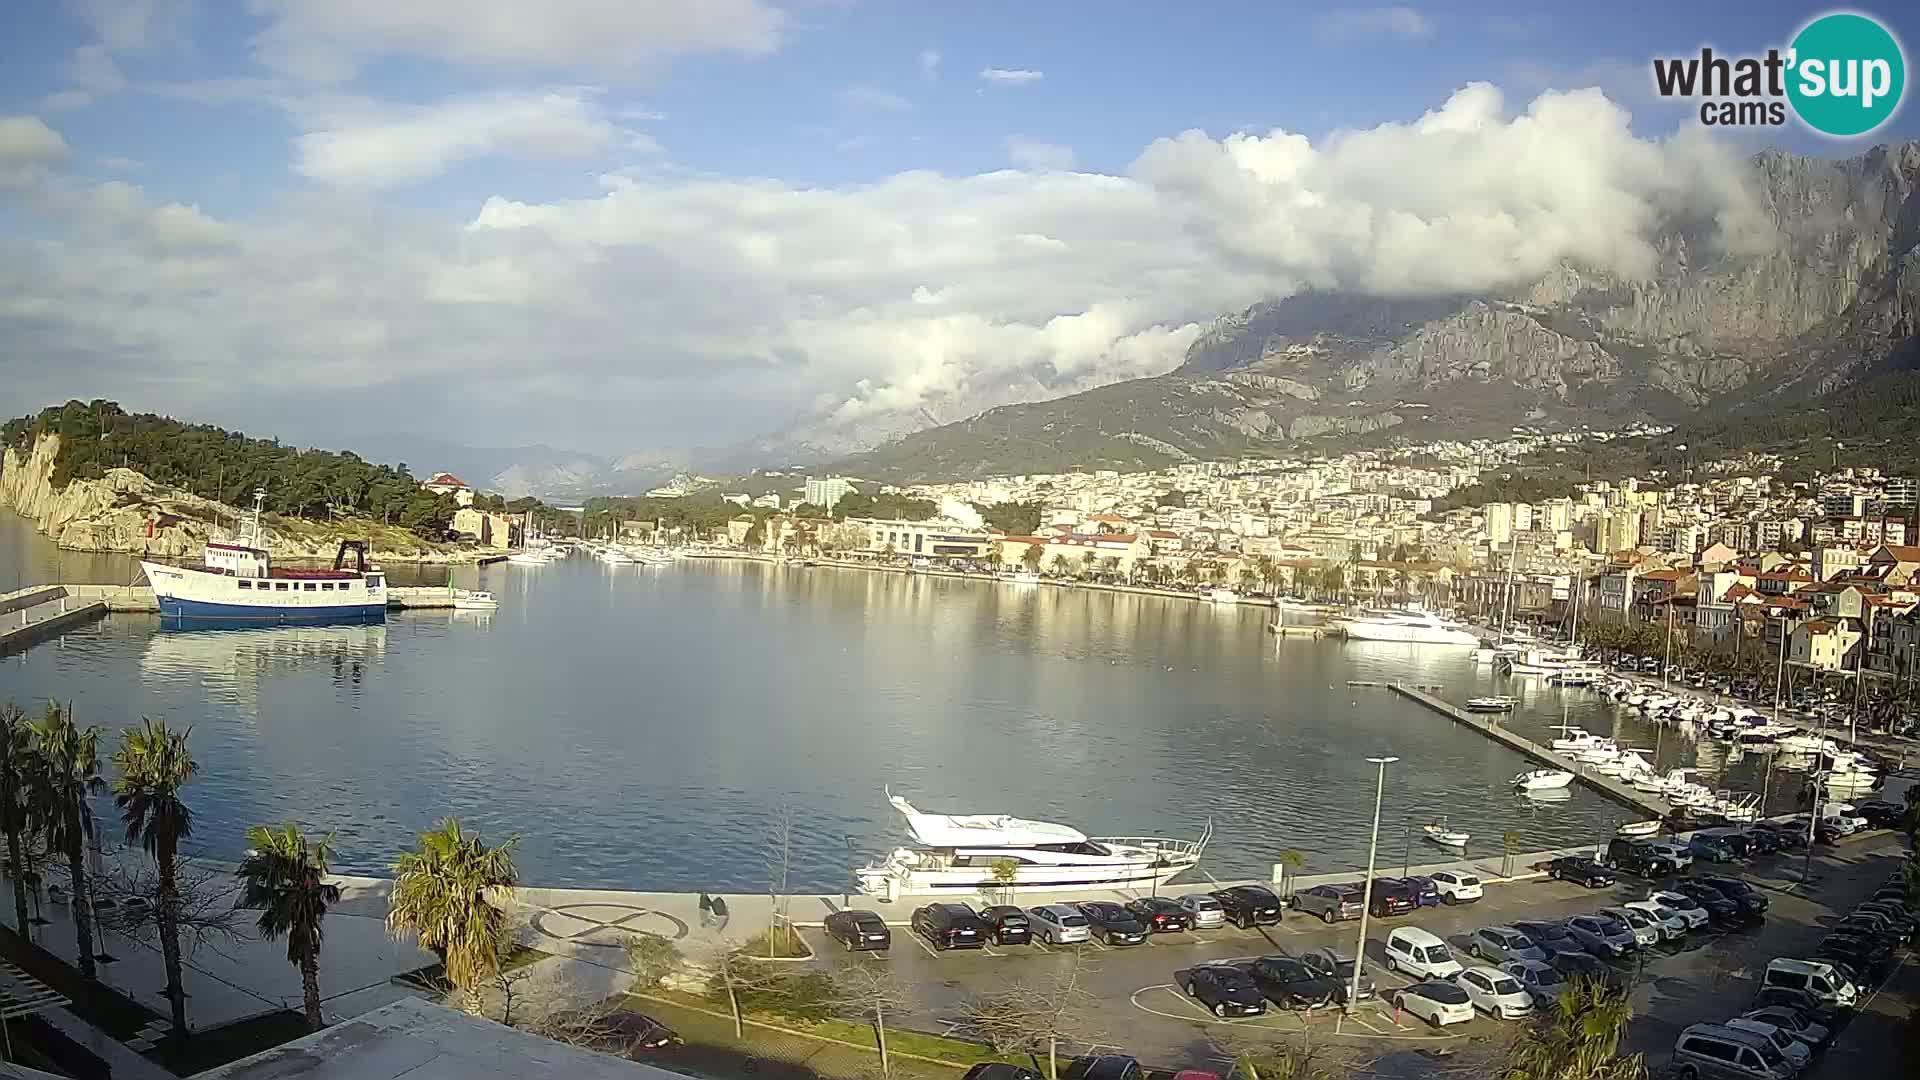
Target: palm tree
[[17, 768], [69, 774], [1291, 860], [454, 893], [284, 875], [1578, 1039], [154, 765]]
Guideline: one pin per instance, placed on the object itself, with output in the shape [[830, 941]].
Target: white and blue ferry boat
[[238, 585]]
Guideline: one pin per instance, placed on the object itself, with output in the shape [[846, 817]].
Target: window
[[1792, 980], [1749, 1060], [280, 586], [311, 587], [246, 584], [326, 586]]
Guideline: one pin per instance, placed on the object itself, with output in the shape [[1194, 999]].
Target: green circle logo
[[1847, 74]]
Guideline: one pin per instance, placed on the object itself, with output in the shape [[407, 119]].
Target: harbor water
[[643, 727]]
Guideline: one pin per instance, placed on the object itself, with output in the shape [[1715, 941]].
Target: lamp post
[[846, 895], [1366, 908]]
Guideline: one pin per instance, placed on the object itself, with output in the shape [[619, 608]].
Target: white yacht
[[1543, 780], [1414, 627], [956, 855], [1565, 665], [1223, 596]]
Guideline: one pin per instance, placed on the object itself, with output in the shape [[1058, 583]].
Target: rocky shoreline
[[127, 512]]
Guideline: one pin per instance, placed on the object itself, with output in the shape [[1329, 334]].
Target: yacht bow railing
[[1165, 844]]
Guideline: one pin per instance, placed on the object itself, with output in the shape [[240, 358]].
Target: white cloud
[[28, 147], [1396, 21], [1035, 154], [94, 75], [326, 40], [1011, 76], [930, 63], [698, 308], [135, 25], [359, 144], [873, 99]]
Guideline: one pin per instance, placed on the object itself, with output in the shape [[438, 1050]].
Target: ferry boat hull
[[239, 586]]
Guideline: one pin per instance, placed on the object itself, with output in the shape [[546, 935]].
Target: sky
[[625, 225]]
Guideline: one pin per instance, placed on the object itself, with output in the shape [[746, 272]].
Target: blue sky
[[503, 145]]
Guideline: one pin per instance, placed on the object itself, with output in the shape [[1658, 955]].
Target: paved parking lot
[[1708, 976]]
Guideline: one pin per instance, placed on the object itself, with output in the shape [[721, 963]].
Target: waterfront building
[[826, 494], [935, 538], [444, 483], [1824, 644]]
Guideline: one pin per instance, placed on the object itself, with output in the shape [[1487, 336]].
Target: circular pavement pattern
[[605, 926]]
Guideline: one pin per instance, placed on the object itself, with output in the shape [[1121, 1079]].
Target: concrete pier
[[1605, 785], [41, 612]]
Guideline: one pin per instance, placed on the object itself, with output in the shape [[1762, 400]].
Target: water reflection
[[235, 661]]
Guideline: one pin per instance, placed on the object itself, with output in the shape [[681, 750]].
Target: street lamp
[[846, 886], [1366, 907]]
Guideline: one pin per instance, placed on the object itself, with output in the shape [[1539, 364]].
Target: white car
[[1415, 952], [1495, 993], [1204, 910], [1059, 924], [1436, 1001], [1679, 853], [1456, 887], [1790, 1048], [1686, 906], [1646, 931], [1673, 924]]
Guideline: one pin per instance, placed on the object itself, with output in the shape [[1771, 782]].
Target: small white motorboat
[[1543, 779], [475, 601], [1496, 703], [1639, 828], [1444, 836]]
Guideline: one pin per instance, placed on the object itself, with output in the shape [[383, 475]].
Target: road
[[1708, 977]]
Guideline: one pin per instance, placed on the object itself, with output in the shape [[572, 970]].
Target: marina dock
[[42, 611], [1605, 785]]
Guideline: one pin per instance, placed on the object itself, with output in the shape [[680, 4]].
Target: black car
[[1551, 937], [1753, 903], [1290, 983], [1390, 896], [1895, 913], [1339, 968], [1112, 923], [950, 926], [624, 1033], [1105, 1067], [1869, 956], [859, 931], [1720, 907], [1579, 870], [1581, 963], [1000, 1070], [1162, 915], [1224, 989], [1785, 837], [1809, 1006], [1640, 858], [1007, 925], [1762, 841], [1879, 813], [1248, 906]]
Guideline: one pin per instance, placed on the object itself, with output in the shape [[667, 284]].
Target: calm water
[[638, 726]]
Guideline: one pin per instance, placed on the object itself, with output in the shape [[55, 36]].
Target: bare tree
[[652, 959], [130, 893], [779, 870], [870, 992], [1038, 1017]]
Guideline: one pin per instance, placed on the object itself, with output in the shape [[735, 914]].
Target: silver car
[[1496, 943], [1645, 930], [1205, 911], [1600, 935], [1059, 924]]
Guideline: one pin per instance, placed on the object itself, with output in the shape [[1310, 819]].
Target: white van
[[1419, 953], [1814, 978]]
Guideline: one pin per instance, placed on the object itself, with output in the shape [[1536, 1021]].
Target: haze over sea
[[638, 727]]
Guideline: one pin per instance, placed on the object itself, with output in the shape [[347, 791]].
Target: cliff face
[[114, 512]]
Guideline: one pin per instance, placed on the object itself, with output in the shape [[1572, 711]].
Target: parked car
[[1059, 924], [1000, 1070], [1786, 837], [1542, 981], [950, 926], [1007, 925], [1719, 907], [1640, 858], [1711, 848], [1426, 892], [1794, 1022], [1436, 1001], [859, 931], [1204, 910], [1112, 923], [1815, 977], [1682, 905], [1420, 953], [1548, 937], [1223, 988], [625, 1033], [1390, 896], [1291, 983], [1879, 813], [1806, 1004], [1161, 915], [1717, 1052], [1736, 840], [1898, 914], [1673, 923], [1340, 969], [1753, 902], [1495, 993], [1871, 957], [1582, 964], [1646, 932], [1579, 870], [1672, 849], [1601, 936], [1497, 943], [1105, 1067], [1457, 886], [1795, 1051], [1248, 906], [1330, 902]]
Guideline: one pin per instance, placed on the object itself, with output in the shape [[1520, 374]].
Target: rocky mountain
[[1828, 296], [562, 476]]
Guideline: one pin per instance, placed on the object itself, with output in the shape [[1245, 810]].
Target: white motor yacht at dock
[[1411, 626], [956, 855]]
